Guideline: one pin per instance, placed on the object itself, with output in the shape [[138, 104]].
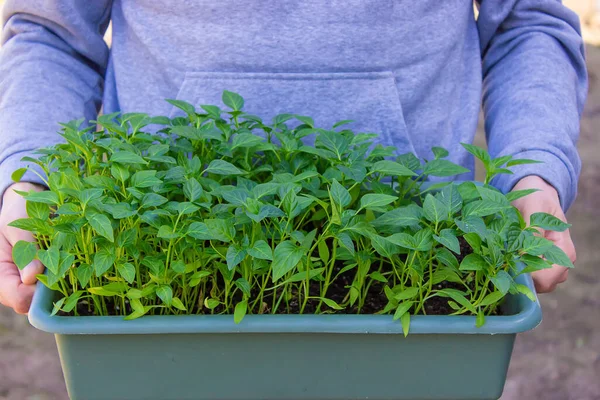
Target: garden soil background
[[560, 360]]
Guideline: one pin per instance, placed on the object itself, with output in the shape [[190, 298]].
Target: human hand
[[546, 200], [16, 286]]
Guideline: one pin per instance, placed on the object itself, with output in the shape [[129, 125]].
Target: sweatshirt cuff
[[13, 163], [553, 170]]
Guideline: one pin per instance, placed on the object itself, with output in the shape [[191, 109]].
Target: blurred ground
[[560, 360]]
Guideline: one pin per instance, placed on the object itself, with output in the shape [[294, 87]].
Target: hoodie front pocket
[[369, 99]]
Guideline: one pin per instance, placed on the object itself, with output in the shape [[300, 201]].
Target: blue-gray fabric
[[415, 72]]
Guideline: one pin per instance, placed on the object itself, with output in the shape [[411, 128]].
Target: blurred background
[[560, 360]]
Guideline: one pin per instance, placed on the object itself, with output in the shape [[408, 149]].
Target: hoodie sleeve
[[534, 89], [52, 65]]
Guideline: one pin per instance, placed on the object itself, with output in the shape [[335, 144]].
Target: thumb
[[14, 235]]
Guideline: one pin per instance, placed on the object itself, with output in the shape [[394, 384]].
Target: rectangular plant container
[[285, 357]]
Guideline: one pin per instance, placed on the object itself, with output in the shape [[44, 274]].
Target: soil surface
[[559, 360]]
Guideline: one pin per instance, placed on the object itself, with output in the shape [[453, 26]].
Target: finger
[[13, 292], [546, 280], [14, 235]]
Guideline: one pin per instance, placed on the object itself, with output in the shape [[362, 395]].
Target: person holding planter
[[410, 72], [307, 161]]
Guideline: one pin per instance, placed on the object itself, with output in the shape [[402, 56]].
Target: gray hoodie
[[414, 72]]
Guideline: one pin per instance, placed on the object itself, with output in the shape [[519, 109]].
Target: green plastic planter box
[[285, 356]]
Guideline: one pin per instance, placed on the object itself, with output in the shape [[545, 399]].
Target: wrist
[[535, 182]]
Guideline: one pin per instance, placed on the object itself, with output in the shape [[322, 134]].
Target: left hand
[[546, 200]]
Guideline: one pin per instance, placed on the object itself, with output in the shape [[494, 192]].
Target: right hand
[[16, 287]]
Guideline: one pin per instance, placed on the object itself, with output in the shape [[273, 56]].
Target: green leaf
[[517, 194], [468, 191], [304, 275], [434, 210], [402, 309], [84, 273], [40, 211], [222, 167], [240, 311], [492, 195], [346, 241], [400, 217], [407, 294], [176, 302], [405, 321], [556, 256], [323, 249], [443, 168], [423, 240], [211, 303], [31, 225], [548, 222], [446, 257], [57, 306], [459, 297], [153, 200], [483, 208], [261, 250], [127, 271], [474, 240], [448, 238], [439, 152], [23, 253], [246, 140], [402, 239], [100, 223], [339, 194], [526, 291], [492, 298], [522, 161], [186, 207], [144, 179], [480, 320], [472, 224], [450, 197], [287, 256], [369, 201], [536, 245], [166, 232], [196, 278], [391, 168], [213, 111], [46, 197], [18, 174], [331, 304], [473, 262], [478, 152], [185, 106], [127, 157], [243, 285], [50, 258], [235, 255], [378, 276], [503, 281], [192, 189], [165, 293], [103, 260], [233, 100], [178, 266], [220, 229], [72, 301], [534, 263]]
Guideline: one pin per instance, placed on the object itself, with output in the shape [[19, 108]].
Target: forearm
[[52, 64], [535, 84]]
